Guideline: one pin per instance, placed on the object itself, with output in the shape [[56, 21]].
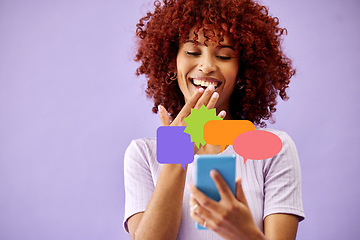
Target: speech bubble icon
[[223, 132], [257, 145], [174, 146]]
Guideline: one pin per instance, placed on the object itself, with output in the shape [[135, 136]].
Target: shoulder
[[284, 136], [142, 144], [143, 149], [288, 145], [287, 158]]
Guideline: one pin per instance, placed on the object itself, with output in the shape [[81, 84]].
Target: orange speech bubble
[[223, 132]]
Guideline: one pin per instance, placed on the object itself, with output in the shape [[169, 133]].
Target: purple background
[[70, 104]]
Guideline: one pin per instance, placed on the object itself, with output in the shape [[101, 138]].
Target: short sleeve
[[138, 180], [282, 181]]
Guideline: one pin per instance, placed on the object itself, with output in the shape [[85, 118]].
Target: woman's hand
[[200, 97], [230, 217]]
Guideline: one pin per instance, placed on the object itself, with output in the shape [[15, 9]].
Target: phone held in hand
[[224, 164]]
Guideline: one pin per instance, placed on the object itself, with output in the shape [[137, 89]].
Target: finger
[[192, 201], [240, 193], [185, 111], [223, 188], [164, 116], [222, 114], [199, 214], [204, 99], [193, 204], [202, 199], [197, 218], [213, 100]]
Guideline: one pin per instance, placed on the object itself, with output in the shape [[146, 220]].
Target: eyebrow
[[221, 46]]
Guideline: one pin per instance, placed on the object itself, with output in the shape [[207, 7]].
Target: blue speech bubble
[[174, 146]]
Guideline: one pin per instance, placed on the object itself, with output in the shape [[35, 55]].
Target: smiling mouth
[[204, 82]]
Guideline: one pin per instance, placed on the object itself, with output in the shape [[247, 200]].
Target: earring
[[173, 78], [169, 79], [239, 85]]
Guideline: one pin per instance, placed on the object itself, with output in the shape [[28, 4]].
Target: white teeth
[[204, 83]]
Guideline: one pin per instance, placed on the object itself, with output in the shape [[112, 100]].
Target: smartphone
[[224, 164]]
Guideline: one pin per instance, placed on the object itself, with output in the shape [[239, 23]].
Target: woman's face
[[200, 65]]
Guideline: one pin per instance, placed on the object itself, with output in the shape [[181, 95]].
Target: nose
[[207, 64]]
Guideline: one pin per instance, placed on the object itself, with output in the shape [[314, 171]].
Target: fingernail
[[211, 87], [222, 114], [215, 95], [212, 172], [201, 90], [159, 108]]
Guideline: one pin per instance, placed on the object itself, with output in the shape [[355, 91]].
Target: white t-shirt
[[270, 186]]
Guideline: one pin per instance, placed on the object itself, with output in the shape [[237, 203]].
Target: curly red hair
[[264, 70]]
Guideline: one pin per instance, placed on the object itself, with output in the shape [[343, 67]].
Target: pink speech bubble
[[257, 145]]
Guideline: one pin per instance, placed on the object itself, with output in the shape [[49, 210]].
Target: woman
[[225, 54]]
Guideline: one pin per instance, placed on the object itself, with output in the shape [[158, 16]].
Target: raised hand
[[201, 97]]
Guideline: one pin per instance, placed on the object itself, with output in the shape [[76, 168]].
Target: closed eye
[[223, 58], [193, 53]]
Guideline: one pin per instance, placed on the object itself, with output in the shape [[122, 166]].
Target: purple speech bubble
[[174, 146]]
